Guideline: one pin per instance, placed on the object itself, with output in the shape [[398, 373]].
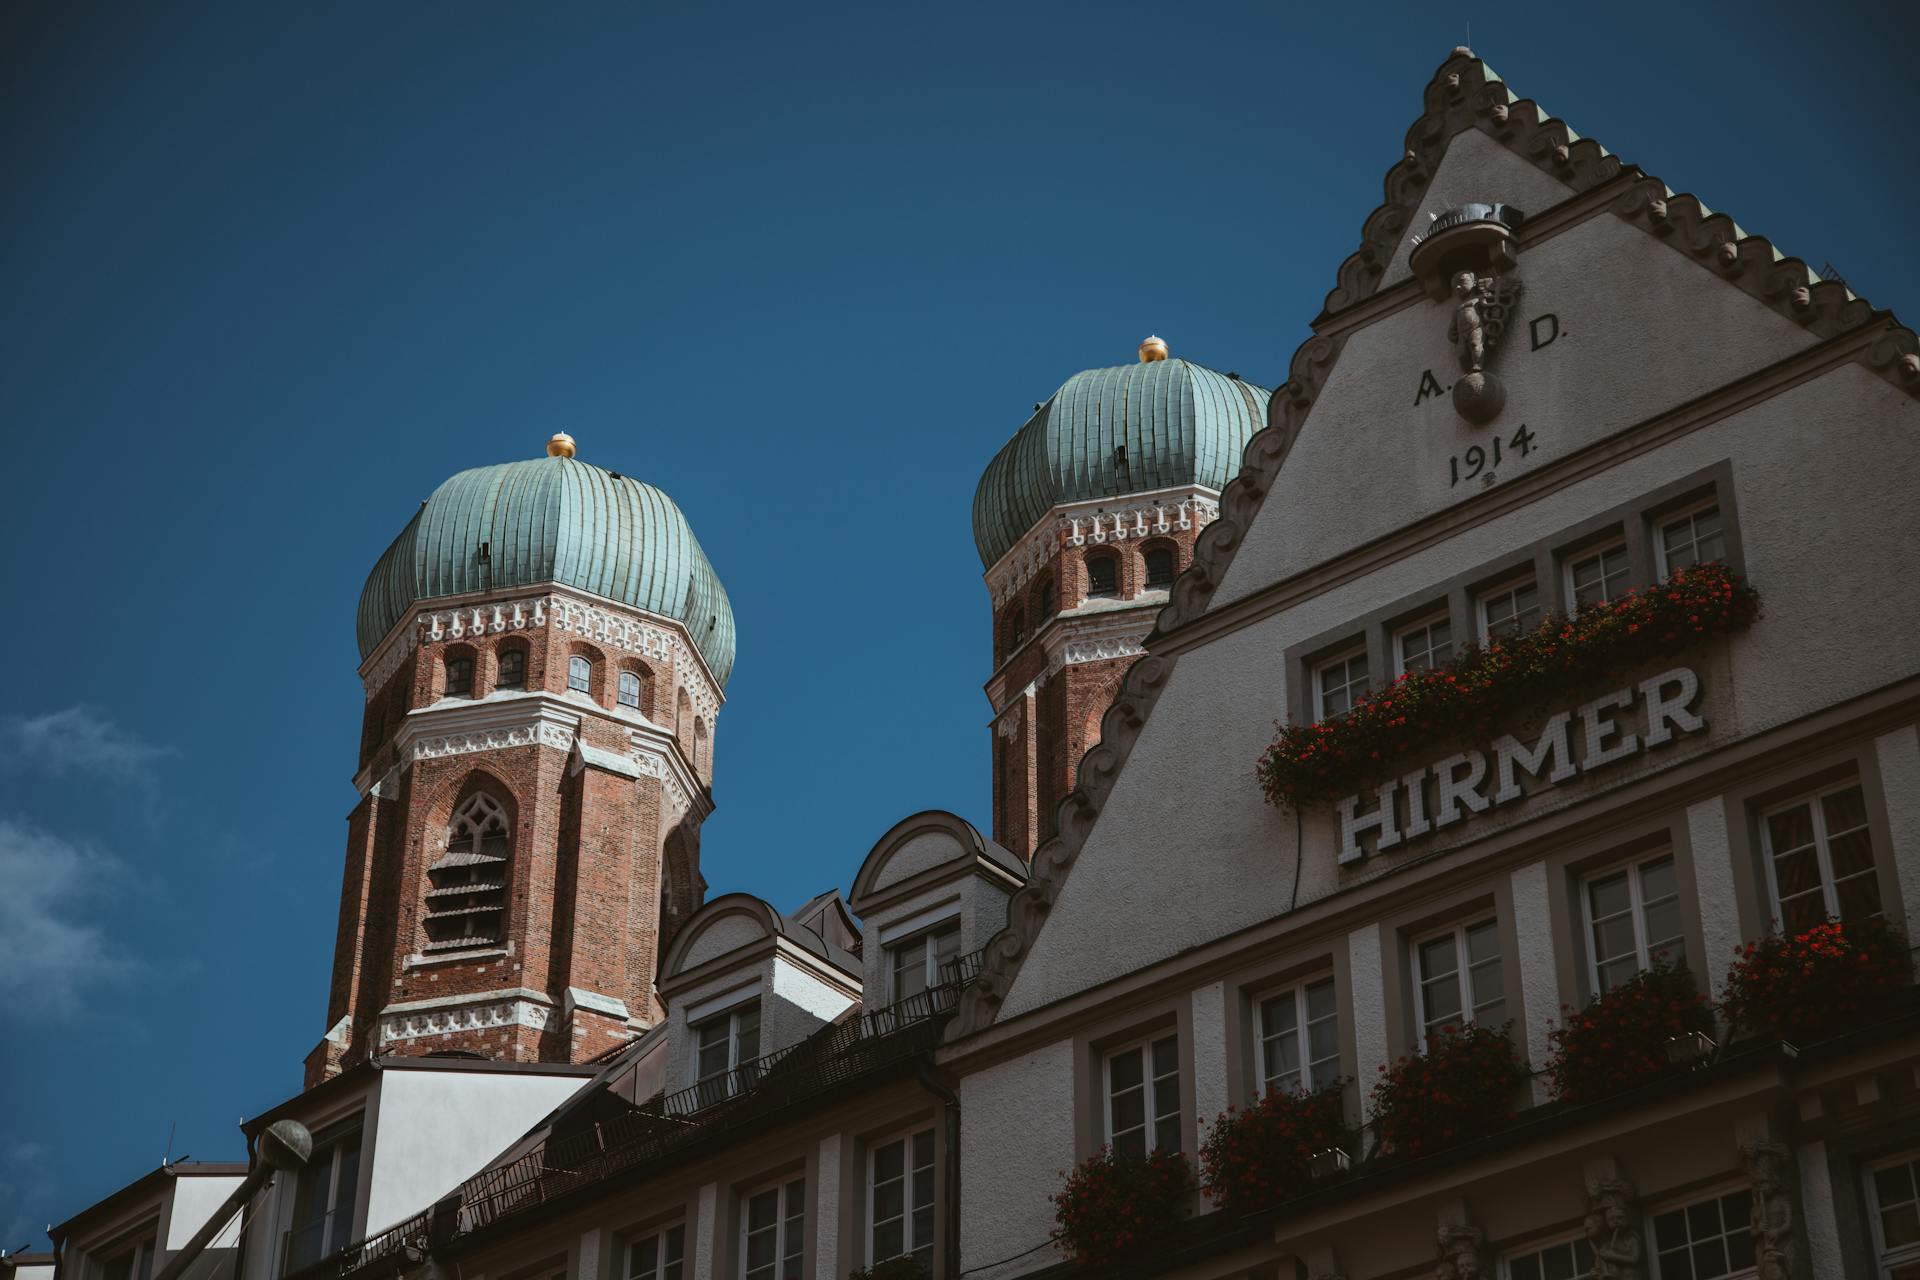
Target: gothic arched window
[[467, 886], [579, 674], [630, 690], [512, 669], [1103, 576], [1160, 567], [459, 677]]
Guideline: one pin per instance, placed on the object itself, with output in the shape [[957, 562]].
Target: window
[[1510, 610], [1338, 683], [1047, 600], [1425, 644], [1705, 1241], [459, 677], [773, 1235], [467, 885], [1633, 919], [916, 962], [1597, 576], [1103, 576], [1568, 1260], [1160, 567], [323, 1199], [579, 674], [1820, 858], [728, 1041], [1016, 629], [1457, 978], [900, 1200], [513, 669], [1143, 1097], [629, 690], [133, 1262], [1299, 1035], [1692, 537], [658, 1256], [1893, 1195]]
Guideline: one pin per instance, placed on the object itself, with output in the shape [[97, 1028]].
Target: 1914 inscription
[[1479, 462]]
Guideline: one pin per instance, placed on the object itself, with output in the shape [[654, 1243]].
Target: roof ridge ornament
[[560, 445], [1152, 348]]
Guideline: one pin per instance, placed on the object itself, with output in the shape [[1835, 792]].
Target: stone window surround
[[1457, 597], [729, 1257], [1402, 930], [855, 1221], [1298, 966], [1569, 868], [1173, 1014]]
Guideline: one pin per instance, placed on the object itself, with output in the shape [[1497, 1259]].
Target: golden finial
[[561, 446], [1152, 349]]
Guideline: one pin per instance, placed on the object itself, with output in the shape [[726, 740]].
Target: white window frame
[[629, 679], [731, 1016], [1661, 524], [1884, 1261], [1636, 896], [1150, 1086], [1302, 1025], [929, 955], [1651, 1243], [1425, 624], [1482, 629], [1823, 852], [1469, 1001], [1600, 552], [905, 1138], [1344, 661], [1575, 1243], [585, 662], [783, 1189], [660, 1260], [325, 1162]]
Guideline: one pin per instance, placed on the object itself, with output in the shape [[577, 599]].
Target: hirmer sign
[[1463, 785]]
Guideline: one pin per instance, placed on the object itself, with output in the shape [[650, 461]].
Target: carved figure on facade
[[1481, 308], [1613, 1229], [1462, 1254], [1768, 1165]]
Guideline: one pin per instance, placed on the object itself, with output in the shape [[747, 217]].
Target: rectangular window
[[1425, 644], [323, 1200], [773, 1233], [1337, 683], [1633, 919], [1819, 857], [658, 1256], [1691, 537], [1299, 1036], [1568, 1260], [915, 963], [134, 1262], [459, 677], [1893, 1196], [900, 1199], [1705, 1241], [1510, 610], [1457, 978], [1594, 577], [1143, 1097], [727, 1042], [1103, 576]]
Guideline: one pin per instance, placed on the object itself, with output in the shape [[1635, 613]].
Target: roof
[[1179, 423], [141, 1188], [552, 520]]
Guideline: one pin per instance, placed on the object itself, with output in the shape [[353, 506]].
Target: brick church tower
[[544, 649], [1083, 520]]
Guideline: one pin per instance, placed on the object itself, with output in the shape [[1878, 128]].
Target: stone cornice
[[1130, 516], [1073, 638]]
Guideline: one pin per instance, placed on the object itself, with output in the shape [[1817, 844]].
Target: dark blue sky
[[273, 272]]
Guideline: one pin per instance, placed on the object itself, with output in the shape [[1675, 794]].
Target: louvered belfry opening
[[467, 886]]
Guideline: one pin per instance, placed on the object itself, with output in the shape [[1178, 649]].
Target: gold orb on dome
[[1152, 349], [561, 446]]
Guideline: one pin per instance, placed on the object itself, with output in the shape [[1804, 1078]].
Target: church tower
[[544, 649], [1083, 520]]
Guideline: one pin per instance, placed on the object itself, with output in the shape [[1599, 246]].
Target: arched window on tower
[[467, 886], [701, 759], [512, 669], [1160, 567], [580, 674], [1047, 602], [460, 677], [1016, 628], [630, 690], [1103, 576]]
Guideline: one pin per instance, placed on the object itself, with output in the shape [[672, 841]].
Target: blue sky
[[273, 272]]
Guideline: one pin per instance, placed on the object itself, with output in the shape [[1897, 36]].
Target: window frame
[[1507, 586], [662, 1233], [627, 675], [1463, 960], [1112, 561], [1424, 623], [1661, 519], [905, 1138], [465, 663], [1650, 1241], [1150, 1086], [784, 1190], [930, 959], [1572, 560], [1344, 660], [574, 662], [731, 1017], [328, 1144], [1823, 855], [1146, 566], [1572, 1243], [1299, 994], [1632, 868], [500, 659], [1909, 1254]]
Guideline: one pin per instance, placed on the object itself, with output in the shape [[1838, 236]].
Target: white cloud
[[78, 738], [49, 950]]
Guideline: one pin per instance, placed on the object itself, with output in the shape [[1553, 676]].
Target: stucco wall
[[727, 933], [1476, 168], [1016, 1135], [194, 1200]]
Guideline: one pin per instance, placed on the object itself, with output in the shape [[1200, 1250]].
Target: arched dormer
[[929, 895]]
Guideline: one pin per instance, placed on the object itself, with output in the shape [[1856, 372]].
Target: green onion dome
[[552, 520], [1109, 432]]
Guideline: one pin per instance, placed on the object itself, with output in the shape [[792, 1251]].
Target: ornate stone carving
[[1083, 528], [524, 735], [469, 1017], [1770, 1165], [1077, 651], [1462, 1255], [1613, 1229], [1481, 306]]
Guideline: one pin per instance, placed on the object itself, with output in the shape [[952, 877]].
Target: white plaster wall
[[681, 1050], [1367, 1003], [1475, 167], [1210, 1095], [438, 1128], [194, 1200], [34, 1271], [1644, 328], [1898, 755], [827, 1252], [920, 853], [1713, 886], [1817, 471], [1016, 1136], [1539, 983], [801, 1005], [728, 933]]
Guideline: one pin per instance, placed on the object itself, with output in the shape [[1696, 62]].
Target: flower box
[[1112, 1206], [1628, 1035], [1804, 986], [1253, 1156], [1461, 1085]]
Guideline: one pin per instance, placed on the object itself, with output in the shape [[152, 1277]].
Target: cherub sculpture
[[1610, 1230], [1481, 307]]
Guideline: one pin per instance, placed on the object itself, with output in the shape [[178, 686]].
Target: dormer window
[[1160, 567], [579, 674], [916, 964], [513, 669], [630, 690], [727, 1042], [459, 677], [134, 1262], [1103, 576]]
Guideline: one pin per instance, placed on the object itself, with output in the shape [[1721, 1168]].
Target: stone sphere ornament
[[1479, 397]]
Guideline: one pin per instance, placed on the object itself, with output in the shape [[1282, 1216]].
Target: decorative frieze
[[486, 1016], [1081, 527], [1100, 649], [455, 744]]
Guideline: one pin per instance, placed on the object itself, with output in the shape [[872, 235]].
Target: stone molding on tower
[[450, 1015], [1096, 521]]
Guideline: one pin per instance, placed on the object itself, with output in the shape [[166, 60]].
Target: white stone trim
[[458, 727], [1536, 962], [450, 1015], [1099, 520], [1711, 852], [581, 998], [749, 990], [1367, 999]]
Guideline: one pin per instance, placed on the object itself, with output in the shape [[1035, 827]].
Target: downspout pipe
[[285, 1145], [950, 1233]]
